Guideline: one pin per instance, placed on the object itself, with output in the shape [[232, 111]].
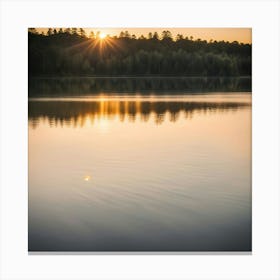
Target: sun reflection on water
[[87, 178]]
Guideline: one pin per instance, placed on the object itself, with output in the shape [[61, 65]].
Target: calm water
[[140, 173]]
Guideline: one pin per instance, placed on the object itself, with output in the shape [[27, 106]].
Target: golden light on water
[[87, 178]]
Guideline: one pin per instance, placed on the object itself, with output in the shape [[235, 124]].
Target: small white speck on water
[[87, 178]]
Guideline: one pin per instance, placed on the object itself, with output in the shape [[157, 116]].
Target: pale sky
[[242, 35]]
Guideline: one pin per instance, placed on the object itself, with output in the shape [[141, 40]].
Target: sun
[[102, 36]]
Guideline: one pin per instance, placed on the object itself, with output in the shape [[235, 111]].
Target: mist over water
[[145, 172]]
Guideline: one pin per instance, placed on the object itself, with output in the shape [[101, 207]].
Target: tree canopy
[[72, 52]]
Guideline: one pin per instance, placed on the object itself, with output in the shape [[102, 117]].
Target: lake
[[139, 170]]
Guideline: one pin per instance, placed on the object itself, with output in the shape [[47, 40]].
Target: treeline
[[72, 52]]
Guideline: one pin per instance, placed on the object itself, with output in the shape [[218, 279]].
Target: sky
[[242, 35]]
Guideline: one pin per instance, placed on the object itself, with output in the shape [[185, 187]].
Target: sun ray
[[99, 45], [102, 36]]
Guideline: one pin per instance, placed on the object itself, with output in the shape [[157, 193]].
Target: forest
[[72, 52]]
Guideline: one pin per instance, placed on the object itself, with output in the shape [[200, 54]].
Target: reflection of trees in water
[[75, 113], [168, 85]]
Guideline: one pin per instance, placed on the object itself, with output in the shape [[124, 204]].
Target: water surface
[[140, 173]]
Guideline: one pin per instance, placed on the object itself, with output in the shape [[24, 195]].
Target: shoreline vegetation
[[70, 52], [136, 77]]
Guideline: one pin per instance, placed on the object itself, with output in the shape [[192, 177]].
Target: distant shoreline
[[139, 77]]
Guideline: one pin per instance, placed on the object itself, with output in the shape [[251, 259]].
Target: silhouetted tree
[[155, 36], [33, 30], [82, 32], [50, 32], [74, 30], [126, 34], [166, 35], [179, 37], [91, 35]]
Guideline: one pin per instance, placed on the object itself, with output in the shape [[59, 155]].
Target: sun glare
[[102, 36]]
